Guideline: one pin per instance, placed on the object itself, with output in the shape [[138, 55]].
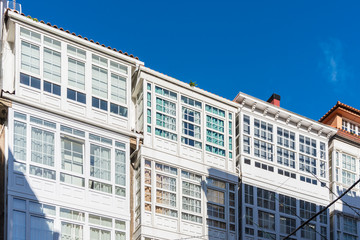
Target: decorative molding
[[288, 119], [253, 107], [310, 127], [277, 115], [243, 103], [265, 111], [298, 125], [320, 131]]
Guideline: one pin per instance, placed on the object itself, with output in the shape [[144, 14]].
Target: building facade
[[98, 146], [186, 182], [68, 134], [344, 153], [284, 171]]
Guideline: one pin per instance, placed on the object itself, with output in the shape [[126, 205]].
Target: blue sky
[[306, 51]]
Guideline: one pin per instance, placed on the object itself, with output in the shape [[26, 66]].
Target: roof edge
[[269, 105], [15, 15], [340, 105], [186, 85]]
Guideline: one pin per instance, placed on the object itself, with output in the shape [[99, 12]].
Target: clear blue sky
[[306, 51]]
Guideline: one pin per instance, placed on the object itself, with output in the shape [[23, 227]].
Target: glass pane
[[41, 228], [19, 227]]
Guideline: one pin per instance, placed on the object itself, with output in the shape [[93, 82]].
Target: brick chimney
[[274, 99]]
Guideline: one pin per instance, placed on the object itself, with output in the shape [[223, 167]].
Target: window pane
[[76, 52], [19, 227], [70, 231], [19, 204], [81, 97], [56, 89], [76, 74], [99, 60], [99, 186], [118, 67], [120, 235], [52, 65], [35, 82], [30, 57], [118, 88], [72, 155], [19, 141], [30, 35], [99, 82], [41, 228], [24, 79], [215, 196], [52, 43], [42, 146], [100, 162], [120, 167]]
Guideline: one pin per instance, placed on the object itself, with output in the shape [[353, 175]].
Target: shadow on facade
[[27, 217], [351, 202], [345, 219], [269, 214], [221, 189], [2, 182]]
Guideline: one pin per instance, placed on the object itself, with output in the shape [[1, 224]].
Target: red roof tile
[[348, 135], [67, 31], [339, 104]]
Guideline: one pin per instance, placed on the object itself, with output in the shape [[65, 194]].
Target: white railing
[[14, 5]]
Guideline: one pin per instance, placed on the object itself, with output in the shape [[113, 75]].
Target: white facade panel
[[284, 167], [100, 189]]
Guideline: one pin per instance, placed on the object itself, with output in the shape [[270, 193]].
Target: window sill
[[30, 87], [99, 110], [118, 116], [71, 185], [165, 216], [48, 94], [192, 222], [76, 102], [215, 155], [101, 192], [166, 139], [42, 178], [192, 147]]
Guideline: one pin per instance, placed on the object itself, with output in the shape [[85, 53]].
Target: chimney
[[274, 99]]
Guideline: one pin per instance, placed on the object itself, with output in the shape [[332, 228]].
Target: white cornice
[[288, 115]]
